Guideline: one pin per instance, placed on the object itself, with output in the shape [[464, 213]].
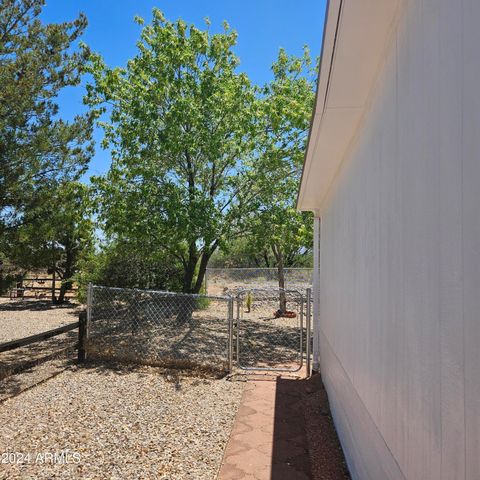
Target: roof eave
[[326, 61], [357, 38]]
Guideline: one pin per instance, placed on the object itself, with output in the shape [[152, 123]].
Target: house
[[392, 174]]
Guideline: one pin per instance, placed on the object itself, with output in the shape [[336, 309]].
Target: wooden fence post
[[82, 337]]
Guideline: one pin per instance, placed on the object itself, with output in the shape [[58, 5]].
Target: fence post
[[237, 325], [84, 326], [309, 330], [89, 302], [82, 337], [230, 334]]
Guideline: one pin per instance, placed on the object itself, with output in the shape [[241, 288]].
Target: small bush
[[202, 302]]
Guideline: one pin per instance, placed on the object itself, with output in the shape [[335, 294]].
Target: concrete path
[[269, 439], [284, 431]]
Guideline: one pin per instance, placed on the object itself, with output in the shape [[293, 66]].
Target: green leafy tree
[[287, 233], [242, 252], [179, 124], [130, 265], [56, 236], [245, 252], [284, 120], [37, 149]]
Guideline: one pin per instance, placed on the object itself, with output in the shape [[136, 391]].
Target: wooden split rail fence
[[81, 325]]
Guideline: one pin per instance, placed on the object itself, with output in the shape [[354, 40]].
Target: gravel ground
[[22, 318], [118, 423], [14, 384]]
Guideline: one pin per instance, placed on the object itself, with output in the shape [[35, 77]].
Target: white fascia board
[[332, 17], [357, 37]]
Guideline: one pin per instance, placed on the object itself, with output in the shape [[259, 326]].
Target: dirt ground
[[326, 456], [22, 318], [221, 286]]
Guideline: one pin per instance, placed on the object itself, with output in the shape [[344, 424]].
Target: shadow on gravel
[[173, 375], [35, 306], [35, 374], [23, 358]]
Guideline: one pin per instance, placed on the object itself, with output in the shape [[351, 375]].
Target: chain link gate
[[272, 330]]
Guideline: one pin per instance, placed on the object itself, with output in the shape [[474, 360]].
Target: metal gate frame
[[235, 323]]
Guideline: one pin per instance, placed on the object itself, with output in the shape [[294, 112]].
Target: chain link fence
[[268, 338], [159, 328], [201, 331], [224, 281]]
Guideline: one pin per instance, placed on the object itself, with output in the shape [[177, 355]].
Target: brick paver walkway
[[268, 440]]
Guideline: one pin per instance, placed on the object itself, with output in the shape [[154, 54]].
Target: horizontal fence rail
[[22, 342], [23, 354]]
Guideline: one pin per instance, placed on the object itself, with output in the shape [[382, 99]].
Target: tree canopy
[[42, 156], [286, 104], [192, 142], [202, 159], [37, 148], [56, 236], [180, 121]]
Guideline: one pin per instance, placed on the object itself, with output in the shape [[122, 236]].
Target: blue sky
[[263, 27]]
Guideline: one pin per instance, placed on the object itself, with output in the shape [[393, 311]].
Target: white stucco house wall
[[392, 174]]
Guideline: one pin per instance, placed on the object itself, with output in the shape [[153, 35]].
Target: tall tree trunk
[[67, 273], [277, 251], [203, 267], [201, 273], [265, 258], [61, 294], [189, 269], [63, 290], [65, 285], [189, 286], [185, 307], [54, 268]]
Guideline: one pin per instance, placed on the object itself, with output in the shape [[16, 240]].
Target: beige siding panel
[[450, 239], [355, 425], [471, 231], [400, 259]]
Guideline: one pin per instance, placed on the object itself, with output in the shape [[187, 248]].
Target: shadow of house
[[304, 440]]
